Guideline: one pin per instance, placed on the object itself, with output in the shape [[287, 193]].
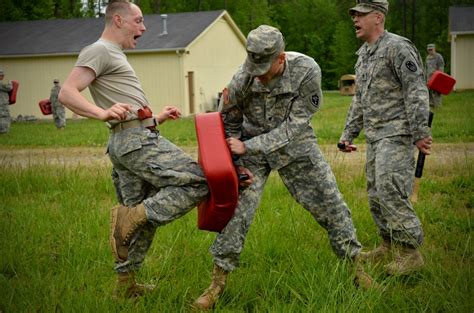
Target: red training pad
[[441, 82], [214, 157], [12, 93], [45, 107]]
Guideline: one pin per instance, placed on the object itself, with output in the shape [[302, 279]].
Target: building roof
[[64, 37], [461, 19]]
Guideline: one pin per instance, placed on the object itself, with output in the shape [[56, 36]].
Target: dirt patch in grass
[[443, 155]]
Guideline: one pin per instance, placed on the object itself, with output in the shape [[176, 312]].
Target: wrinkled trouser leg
[[59, 115], [390, 175], [5, 119], [150, 169], [435, 99], [311, 182], [230, 242]]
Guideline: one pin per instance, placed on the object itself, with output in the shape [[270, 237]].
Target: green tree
[[308, 27], [343, 48]]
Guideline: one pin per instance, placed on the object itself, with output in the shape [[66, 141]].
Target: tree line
[[321, 29]]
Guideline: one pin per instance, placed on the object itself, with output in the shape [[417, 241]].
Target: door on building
[[191, 92]]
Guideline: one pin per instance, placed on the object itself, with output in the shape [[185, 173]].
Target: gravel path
[[87, 156]]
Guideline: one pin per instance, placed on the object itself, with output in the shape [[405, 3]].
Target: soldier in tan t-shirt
[[156, 182]]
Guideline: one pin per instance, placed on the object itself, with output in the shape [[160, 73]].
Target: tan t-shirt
[[115, 81]]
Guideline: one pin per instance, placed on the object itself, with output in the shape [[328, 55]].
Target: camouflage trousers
[[435, 99], [59, 115], [148, 168], [312, 184], [5, 119], [390, 174]]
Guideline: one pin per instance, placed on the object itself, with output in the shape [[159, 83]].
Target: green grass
[[54, 223], [452, 123]]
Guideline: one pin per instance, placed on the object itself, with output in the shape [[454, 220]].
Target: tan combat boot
[[377, 255], [123, 225], [361, 278], [207, 300], [407, 260], [127, 287]]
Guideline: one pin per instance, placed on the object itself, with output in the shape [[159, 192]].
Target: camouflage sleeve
[[6, 87], [230, 107], [53, 97], [440, 63], [305, 103], [354, 120], [408, 67]]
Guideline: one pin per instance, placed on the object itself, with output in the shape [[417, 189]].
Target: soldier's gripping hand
[[424, 145], [118, 111], [346, 146], [236, 146], [243, 171]]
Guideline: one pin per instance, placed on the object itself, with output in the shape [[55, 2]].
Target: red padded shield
[[12, 93], [441, 82], [215, 159], [45, 107]]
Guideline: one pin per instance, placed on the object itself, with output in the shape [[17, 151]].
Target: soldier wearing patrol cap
[[434, 62], [59, 113], [267, 109], [5, 119], [391, 104]]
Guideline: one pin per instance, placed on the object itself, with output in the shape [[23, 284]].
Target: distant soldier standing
[[267, 110], [59, 113], [434, 62], [391, 104], [5, 119]]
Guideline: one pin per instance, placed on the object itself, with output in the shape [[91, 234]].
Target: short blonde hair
[[117, 6]]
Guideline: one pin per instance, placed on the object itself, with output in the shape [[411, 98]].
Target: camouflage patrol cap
[[264, 44], [1, 72], [367, 6], [430, 46], [56, 81]]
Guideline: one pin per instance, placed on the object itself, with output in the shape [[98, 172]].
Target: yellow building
[[183, 59], [461, 35]]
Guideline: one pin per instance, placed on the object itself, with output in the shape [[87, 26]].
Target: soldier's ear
[[281, 57]]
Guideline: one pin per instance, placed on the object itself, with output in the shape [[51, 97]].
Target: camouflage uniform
[[274, 122], [59, 113], [434, 63], [5, 119], [147, 168], [391, 104]]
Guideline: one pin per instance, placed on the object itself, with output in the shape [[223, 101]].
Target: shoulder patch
[[411, 66], [315, 100], [225, 96]]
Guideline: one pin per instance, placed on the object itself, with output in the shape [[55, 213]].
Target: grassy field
[[454, 124], [54, 232]]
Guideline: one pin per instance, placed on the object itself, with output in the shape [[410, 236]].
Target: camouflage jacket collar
[[370, 49]]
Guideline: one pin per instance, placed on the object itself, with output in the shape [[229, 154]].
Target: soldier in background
[[434, 62], [267, 110], [59, 113], [391, 104], [5, 119]]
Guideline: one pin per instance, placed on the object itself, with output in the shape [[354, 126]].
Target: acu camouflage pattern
[[275, 126], [59, 112], [391, 94], [434, 63], [390, 168], [150, 169], [391, 104], [5, 119]]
